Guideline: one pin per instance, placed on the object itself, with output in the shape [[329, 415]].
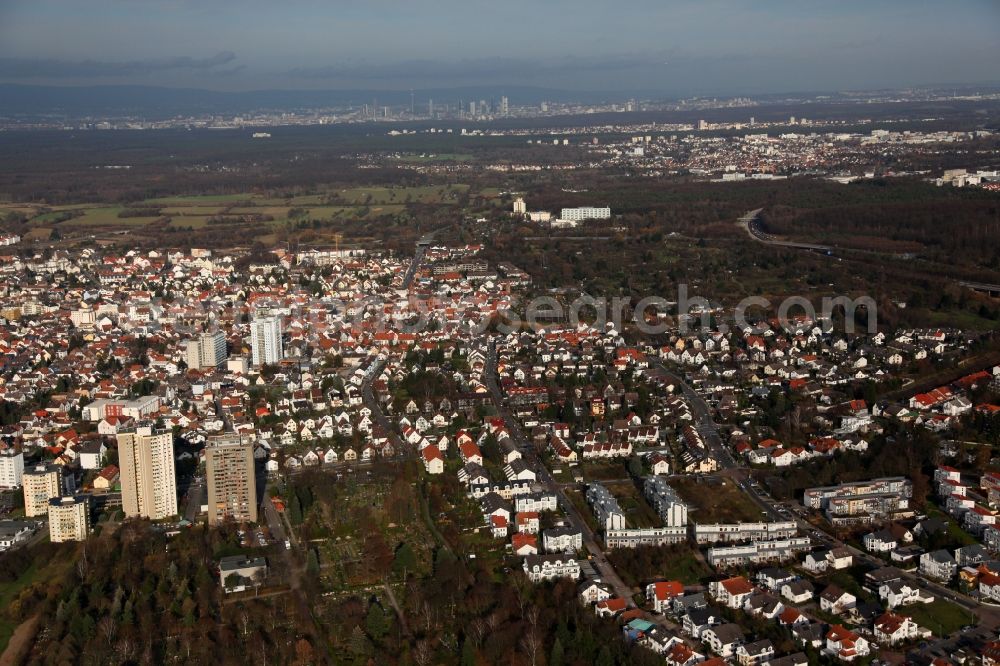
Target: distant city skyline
[[674, 48]]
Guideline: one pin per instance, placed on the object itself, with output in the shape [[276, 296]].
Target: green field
[[108, 217], [182, 211], [375, 196], [202, 199], [638, 512], [941, 617], [716, 500]]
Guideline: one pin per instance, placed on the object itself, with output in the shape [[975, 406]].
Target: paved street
[[988, 616], [600, 562]]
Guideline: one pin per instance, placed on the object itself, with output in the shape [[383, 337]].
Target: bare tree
[[478, 629], [108, 628], [422, 653], [532, 644]]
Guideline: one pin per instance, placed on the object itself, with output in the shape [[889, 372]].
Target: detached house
[[732, 592], [844, 644], [433, 459], [836, 601], [661, 595], [723, 639], [892, 628], [938, 565]]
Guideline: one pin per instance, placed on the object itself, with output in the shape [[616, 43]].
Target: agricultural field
[[324, 216], [375, 196]]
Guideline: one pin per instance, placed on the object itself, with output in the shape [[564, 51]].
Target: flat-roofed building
[[11, 468], [69, 518], [41, 482], [231, 479], [146, 460]]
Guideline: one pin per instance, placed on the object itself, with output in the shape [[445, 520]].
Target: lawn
[[686, 568], [638, 513], [580, 502], [941, 617], [713, 500], [603, 471]]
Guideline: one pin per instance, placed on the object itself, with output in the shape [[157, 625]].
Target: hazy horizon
[[721, 47]]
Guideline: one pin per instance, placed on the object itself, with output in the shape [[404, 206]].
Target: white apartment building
[[69, 518], [609, 514], [735, 532], [265, 341], [661, 495], [757, 552], [540, 568], [206, 351], [146, 459], [562, 539], [585, 213], [11, 468], [41, 483]]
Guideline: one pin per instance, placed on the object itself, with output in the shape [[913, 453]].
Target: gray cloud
[[47, 68]]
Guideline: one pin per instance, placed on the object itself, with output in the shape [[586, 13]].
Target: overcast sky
[[669, 46]]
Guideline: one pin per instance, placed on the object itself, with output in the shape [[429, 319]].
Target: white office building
[[265, 341], [585, 213]]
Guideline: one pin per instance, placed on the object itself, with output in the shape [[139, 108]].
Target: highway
[[751, 223]]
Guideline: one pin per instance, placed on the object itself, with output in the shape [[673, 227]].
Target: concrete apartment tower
[[232, 485], [265, 341], [146, 460], [11, 468], [69, 518], [41, 483], [207, 351]]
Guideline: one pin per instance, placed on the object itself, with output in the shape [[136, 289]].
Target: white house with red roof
[[732, 592], [845, 644], [661, 594], [433, 459]]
